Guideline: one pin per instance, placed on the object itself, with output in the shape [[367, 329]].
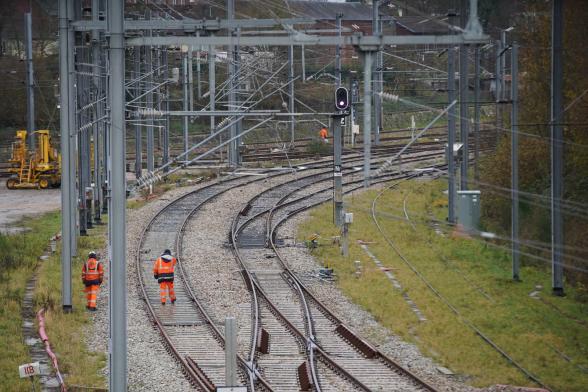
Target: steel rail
[[387, 360], [195, 378], [310, 342]]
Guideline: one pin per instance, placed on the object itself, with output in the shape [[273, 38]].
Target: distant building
[[420, 25]]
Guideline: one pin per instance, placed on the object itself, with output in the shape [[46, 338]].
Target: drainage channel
[[48, 380]]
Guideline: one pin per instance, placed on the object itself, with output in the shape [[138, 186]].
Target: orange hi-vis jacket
[[163, 269], [92, 272], [323, 133]]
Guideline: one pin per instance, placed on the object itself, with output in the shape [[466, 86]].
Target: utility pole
[[377, 76], [191, 78], [138, 131], [80, 131], [233, 148], [150, 84], [71, 127], [106, 132], [557, 147], [451, 135], [337, 171], [291, 90], [498, 90], [338, 53], [198, 69], [98, 112], [66, 179], [303, 61], [117, 184], [30, 80], [367, 115], [463, 101], [476, 113], [212, 84], [514, 119], [166, 105], [185, 102]]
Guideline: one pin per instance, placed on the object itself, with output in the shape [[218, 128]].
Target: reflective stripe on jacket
[[164, 269], [92, 272]]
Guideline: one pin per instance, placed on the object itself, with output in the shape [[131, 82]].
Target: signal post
[[342, 107]]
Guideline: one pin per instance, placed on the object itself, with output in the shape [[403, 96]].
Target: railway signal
[[341, 99]]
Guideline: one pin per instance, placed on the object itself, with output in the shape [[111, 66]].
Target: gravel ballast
[[214, 275]]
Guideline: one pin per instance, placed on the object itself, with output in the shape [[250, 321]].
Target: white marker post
[[30, 370]]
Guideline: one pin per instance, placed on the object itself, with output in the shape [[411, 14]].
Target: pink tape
[[45, 340]]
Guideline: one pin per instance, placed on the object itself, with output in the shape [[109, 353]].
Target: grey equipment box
[[468, 209]]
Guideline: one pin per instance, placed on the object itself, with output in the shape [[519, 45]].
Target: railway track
[[325, 336], [188, 333], [308, 347]]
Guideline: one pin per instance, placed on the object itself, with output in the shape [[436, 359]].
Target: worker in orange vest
[[323, 134], [163, 271], [92, 276]]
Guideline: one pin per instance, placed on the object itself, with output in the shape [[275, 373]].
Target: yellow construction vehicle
[[37, 169]]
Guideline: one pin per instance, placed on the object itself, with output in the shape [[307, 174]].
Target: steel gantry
[[98, 101]]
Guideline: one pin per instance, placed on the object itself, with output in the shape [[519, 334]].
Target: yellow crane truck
[[34, 169]]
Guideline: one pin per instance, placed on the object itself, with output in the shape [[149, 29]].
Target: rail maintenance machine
[[34, 169]]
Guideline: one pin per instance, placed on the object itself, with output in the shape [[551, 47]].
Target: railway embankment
[[471, 317]]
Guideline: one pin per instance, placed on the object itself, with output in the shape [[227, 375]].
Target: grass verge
[[546, 335], [66, 331], [19, 255]]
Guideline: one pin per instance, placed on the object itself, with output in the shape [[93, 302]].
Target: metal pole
[[198, 69], [166, 105], [498, 91], [503, 64], [337, 172], [72, 127], [557, 147], [66, 211], [30, 81], [98, 112], [377, 73], [185, 100], [233, 160], [105, 127], [82, 160], [367, 115], [463, 100], [191, 78], [86, 145], [303, 64], [150, 83], [212, 84], [515, 163], [476, 113], [138, 130], [338, 53], [230, 352], [291, 88], [116, 223], [451, 135]]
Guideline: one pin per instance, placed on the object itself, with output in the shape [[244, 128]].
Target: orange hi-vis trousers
[[163, 288], [92, 294]]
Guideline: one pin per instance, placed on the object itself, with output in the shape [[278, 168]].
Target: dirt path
[[18, 203]]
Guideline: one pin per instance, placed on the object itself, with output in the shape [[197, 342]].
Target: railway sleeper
[[263, 341], [304, 377]]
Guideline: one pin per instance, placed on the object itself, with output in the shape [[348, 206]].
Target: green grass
[[83, 367], [18, 257], [462, 270]]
